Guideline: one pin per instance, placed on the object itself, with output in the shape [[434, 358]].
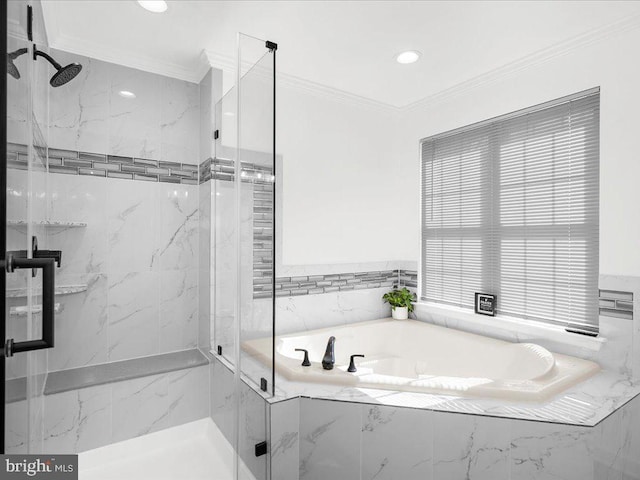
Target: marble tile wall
[[345, 440], [623, 331], [285, 439], [87, 418], [617, 351], [137, 257], [91, 115], [253, 414], [309, 312]]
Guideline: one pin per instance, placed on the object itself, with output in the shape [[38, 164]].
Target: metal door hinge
[[30, 23], [261, 449]]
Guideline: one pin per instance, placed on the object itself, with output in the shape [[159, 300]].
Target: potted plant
[[401, 302]]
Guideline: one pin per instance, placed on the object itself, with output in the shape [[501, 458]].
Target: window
[[510, 207]]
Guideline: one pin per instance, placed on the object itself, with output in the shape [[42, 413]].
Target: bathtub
[[409, 355]]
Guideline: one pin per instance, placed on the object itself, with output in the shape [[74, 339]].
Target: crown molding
[[128, 59], [532, 60], [227, 64]]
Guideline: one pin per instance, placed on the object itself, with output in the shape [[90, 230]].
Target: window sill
[[503, 327]]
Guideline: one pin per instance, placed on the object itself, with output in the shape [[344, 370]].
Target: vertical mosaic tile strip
[[407, 278], [616, 304], [262, 239], [71, 162]]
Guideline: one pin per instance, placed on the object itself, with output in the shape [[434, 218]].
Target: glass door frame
[[3, 214]]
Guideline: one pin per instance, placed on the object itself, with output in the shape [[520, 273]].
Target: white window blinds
[[510, 207]]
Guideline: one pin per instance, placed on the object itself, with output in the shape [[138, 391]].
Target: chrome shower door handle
[[48, 306]]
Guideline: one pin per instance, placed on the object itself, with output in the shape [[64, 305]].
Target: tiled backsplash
[[616, 304], [317, 284], [101, 165]]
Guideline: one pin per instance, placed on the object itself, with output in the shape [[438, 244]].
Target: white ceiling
[[348, 46]]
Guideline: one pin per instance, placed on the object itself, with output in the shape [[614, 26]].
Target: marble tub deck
[[586, 404]]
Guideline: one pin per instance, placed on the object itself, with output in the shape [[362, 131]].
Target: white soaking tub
[[409, 355]]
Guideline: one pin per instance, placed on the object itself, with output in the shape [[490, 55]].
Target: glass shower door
[[242, 179], [256, 154], [254, 184], [27, 320]]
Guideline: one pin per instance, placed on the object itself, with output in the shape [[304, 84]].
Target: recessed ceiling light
[[126, 94], [155, 6], [410, 56]]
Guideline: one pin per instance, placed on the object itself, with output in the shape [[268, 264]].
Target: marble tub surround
[[414, 356], [347, 440], [586, 404]]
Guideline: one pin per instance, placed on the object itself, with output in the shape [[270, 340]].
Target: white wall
[[339, 183], [610, 64], [350, 171]]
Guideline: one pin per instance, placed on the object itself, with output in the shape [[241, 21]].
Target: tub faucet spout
[[329, 358]]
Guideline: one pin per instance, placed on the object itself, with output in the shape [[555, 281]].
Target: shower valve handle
[[352, 366], [305, 362]]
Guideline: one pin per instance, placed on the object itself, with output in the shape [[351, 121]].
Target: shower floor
[[193, 451]]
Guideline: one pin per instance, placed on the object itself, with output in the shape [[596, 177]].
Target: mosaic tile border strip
[[72, 162], [338, 282], [224, 169], [616, 304]]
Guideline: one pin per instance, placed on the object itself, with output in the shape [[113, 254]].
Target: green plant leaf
[[400, 298]]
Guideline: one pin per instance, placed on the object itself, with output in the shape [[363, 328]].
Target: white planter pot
[[400, 313]]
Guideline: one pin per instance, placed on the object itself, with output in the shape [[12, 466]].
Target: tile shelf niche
[[22, 310], [47, 224], [60, 290]]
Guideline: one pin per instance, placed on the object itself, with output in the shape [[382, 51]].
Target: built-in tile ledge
[[83, 377], [75, 378], [60, 290], [23, 310], [47, 224]]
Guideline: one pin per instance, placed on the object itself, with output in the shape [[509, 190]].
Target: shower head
[[11, 67], [63, 74]]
